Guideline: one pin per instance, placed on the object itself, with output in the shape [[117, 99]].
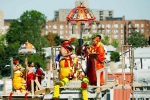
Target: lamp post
[[80, 16]]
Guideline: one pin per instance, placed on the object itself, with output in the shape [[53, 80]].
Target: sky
[[131, 9]]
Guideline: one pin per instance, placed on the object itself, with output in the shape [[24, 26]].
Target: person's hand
[[36, 75]]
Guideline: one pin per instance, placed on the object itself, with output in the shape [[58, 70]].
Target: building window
[[66, 26], [46, 32], [122, 25], [101, 12], [54, 26], [108, 25], [115, 36], [121, 31], [103, 26], [115, 31], [121, 36], [76, 26], [94, 31], [87, 32], [115, 25], [142, 30], [142, 25], [61, 32], [99, 26], [66, 31], [147, 24], [129, 30], [70, 26], [54, 31], [49, 26], [137, 25], [94, 26], [76, 31], [122, 42], [107, 31], [103, 31], [70, 32], [137, 30], [129, 25], [46, 26], [61, 27], [61, 37]]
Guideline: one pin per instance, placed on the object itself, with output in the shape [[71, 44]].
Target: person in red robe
[[30, 75], [38, 72], [96, 59]]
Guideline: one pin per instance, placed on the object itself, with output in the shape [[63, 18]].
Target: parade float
[[76, 86]]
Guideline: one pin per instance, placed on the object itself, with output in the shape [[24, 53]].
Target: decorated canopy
[[81, 14], [27, 48]]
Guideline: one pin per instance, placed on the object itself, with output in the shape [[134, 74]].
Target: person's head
[[99, 37], [16, 62], [37, 65], [95, 40], [30, 64]]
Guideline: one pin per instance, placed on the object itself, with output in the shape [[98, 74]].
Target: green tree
[[27, 27], [115, 43], [105, 40], [136, 39], [53, 39], [114, 56]]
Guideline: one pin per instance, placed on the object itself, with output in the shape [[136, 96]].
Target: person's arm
[[64, 53]]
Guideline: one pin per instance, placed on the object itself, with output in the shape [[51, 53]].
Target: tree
[[114, 56], [53, 39], [115, 43], [136, 39], [27, 27], [105, 40]]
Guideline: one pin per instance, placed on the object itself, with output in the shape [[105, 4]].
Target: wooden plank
[[40, 92], [75, 96], [38, 84]]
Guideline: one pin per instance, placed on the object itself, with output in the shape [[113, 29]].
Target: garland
[[56, 94], [84, 85]]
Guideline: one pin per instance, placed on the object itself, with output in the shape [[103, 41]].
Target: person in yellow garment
[[65, 60], [19, 83]]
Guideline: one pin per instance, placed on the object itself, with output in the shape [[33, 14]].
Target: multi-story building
[[115, 28], [2, 29], [60, 15]]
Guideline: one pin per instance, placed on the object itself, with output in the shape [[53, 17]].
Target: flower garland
[[84, 85], [57, 86]]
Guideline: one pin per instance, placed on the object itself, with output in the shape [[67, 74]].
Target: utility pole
[[11, 65]]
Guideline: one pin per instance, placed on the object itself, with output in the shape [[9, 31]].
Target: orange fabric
[[97, 65]]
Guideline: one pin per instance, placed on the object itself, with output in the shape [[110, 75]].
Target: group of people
[[94, 55], [22, 79]]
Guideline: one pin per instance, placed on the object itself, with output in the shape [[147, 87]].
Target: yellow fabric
[[18, 81], [64, 70]]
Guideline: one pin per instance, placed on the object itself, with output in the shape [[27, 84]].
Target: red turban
[[15, 61]]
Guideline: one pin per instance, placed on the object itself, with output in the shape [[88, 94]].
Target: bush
[[114, 56]]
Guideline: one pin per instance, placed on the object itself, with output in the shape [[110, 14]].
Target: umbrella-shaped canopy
[[81, 14], [27, 48]]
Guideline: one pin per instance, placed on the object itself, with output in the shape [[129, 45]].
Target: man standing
[[97, 58], [65, 59]]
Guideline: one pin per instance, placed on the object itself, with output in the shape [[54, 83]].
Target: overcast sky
[[131, 9]]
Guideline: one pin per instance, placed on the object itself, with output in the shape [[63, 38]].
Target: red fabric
[[10, 96], [26, 96], [96, 65], [29, 78], [39, 72], [15, 61]]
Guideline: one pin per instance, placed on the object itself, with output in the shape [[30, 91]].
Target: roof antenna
[[81, 3]]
